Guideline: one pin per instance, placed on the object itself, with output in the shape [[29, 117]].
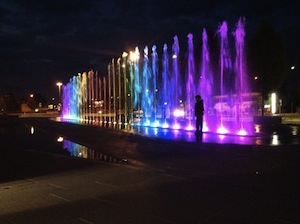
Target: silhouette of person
[[199, 111]]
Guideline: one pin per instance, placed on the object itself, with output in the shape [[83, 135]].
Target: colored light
[[273, 103], [176, 126], [222, 130], [242, 132], [178, 113], [205, 127], [155, 124], [189, 128], [165, 125]]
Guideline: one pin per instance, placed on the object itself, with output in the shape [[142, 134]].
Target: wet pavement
[[55, 172]]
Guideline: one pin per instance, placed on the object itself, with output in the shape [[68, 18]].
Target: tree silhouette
[[267, 60]]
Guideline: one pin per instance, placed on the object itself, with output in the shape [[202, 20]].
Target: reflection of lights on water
[[258, 142], [221, 137], [275, 140], [242, 138], [146, 130], [155, 131], [60, 139], [176, 133], [294, 130], [190, 135], [32, 130]]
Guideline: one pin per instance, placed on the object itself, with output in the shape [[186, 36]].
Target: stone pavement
[[159, 182]]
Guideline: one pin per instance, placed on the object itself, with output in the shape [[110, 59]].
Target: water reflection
[[82, 151], [32, 130], [43, 141]]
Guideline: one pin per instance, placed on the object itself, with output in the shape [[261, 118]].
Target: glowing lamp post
[[59, 84], [273, 103]]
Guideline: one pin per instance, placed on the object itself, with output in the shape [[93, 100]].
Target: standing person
[[199, 111]]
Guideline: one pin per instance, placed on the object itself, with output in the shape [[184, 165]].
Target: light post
[[124, 63], [59, 84]]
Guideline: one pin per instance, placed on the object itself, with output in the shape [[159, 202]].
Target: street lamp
[[59, 84]]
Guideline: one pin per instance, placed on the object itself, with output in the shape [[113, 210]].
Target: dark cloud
[[45, 41]]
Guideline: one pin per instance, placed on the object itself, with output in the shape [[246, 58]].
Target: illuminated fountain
[[140, 90]]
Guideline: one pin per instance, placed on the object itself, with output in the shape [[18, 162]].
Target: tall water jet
[[240, 70], [147, 99], [154, 80], [176, 90], [165, 83], [190, 84], [225, 72], [125, 84], [137, 82], [119, 97], [205, 82]]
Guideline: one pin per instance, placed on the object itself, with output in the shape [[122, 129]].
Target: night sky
[[46, 41]]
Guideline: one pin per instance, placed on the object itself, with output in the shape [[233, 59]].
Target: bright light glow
[[59, 84], [60, 139], [257, 128], [205, 127], [155, 124], [275, 140], [32, 130], [147, 123], [178, 113], [174, 56], [242, 132], [293, 67], [273, 103], [165, 125], [222, 130], [133, 56], [176, 126], [189, 128], [221, 137]]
